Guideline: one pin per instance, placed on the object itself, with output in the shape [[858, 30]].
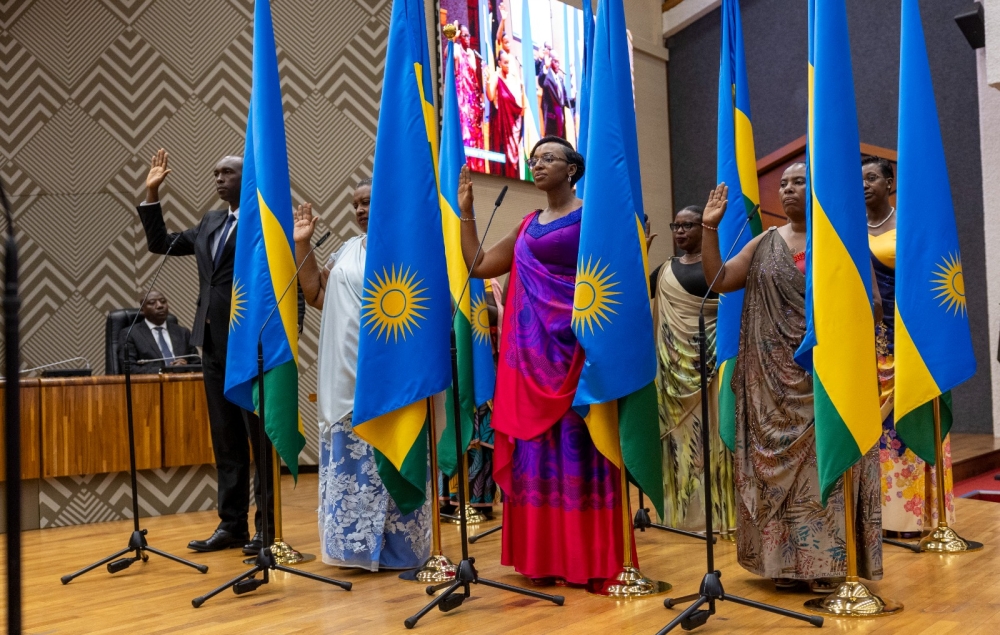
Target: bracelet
[[467, 220], [710, 228]]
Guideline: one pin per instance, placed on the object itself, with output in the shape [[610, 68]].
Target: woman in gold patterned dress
[[783, 532], [909, 486], [680, 286]]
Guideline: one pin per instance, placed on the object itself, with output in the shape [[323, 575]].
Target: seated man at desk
[[155, 338]]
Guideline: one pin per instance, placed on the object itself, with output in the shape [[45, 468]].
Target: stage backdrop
[[775, 40]]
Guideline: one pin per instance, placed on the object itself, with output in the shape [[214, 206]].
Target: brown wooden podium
[[77, 425]]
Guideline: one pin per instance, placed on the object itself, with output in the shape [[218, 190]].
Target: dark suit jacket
[[145, 346], [215, 286]]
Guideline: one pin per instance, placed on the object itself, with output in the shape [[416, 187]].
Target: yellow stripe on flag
[[602, 421], [746, 160], [838, 290], [394, 433], [918, 385], [281, 262]]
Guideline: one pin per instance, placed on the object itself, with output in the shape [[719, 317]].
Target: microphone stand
[[711, 585], [265, 561], [12, 430], [466, 575], [50, 365], [137, 541]]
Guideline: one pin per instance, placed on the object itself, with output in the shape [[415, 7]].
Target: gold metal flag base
[[945, 540], [853, 599], [472, 517], [437, 569], [630, 583], [284, 554]]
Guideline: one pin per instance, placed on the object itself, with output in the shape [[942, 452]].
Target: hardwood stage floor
[[942, 594]]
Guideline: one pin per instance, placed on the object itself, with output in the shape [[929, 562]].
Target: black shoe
[[253, 547], [218, 541]]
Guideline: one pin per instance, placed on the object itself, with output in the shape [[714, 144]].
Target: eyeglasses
[[674, 227], [547, 159]]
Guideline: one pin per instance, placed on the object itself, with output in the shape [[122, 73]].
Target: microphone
[[288, 286], [479, 250], [149, 289], [736, 241], [163, 359], [65, 361]]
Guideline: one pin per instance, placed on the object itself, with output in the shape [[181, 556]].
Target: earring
[[570, 178]]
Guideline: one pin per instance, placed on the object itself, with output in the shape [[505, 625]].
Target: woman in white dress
[[359, 524]]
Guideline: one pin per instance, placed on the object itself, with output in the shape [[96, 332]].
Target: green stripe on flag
[[408, 486], [447, 460], [639, 429], [756, 225], [727, 405], [836, 448], [281, 413], [916, 429]]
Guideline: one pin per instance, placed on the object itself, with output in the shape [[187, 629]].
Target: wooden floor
[[974, 454], [942, 594]]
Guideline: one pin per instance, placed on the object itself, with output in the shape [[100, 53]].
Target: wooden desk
[[31, 463], [85, 429], [187, 438]]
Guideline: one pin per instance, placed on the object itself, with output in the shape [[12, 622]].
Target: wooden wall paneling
[[187, 438], [31, 454], [84, 425]]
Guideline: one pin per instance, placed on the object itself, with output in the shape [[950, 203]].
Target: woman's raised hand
[[305, 223], [715, 208], [465, 196]]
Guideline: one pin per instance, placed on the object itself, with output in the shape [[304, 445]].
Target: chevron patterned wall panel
[[89, 89], [98, 498]]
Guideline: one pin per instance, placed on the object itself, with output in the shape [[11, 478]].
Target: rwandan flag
[[476, 373], [265, 261], [403, 349], [532, 122], [736, 166], [612, 318], [839, 317], [584, 95], [933, 346]]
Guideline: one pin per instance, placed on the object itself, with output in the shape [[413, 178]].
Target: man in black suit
[[213, 244], [155, 338]]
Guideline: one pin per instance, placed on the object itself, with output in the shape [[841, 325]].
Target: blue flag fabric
[[933, 343], [403, 350], [265, 261], [583, 136]]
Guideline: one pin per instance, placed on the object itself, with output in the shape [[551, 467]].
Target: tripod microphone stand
[[467, 575], [137, 541], [265, 561], [711, 585], [642, 522]]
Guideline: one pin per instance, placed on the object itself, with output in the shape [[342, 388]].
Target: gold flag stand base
[[943, 539], [630, 583], [284, 554], [472, 516], [853, 599], [437, 569]]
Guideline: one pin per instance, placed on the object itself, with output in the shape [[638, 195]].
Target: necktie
[[222, 240], [164, 349]]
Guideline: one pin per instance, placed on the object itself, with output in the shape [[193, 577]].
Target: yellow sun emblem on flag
[[238, 305], [480, 320], [592, 297], [951, 284], [392, 303]]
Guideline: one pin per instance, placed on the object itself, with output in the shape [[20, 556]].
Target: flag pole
[[282, 551], [943, 539], [852, 598], [472, 515], [630, 582], [437, 567]]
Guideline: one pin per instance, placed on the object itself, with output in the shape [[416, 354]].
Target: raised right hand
[[715, 208], [305, 223], [465, 196], [157, 172]]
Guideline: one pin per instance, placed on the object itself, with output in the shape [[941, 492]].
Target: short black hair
[[572, 156], [698, 210], [884, 165]]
